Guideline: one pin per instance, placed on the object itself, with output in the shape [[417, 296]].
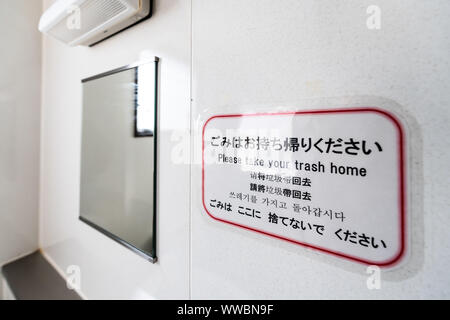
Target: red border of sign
[[401, 175]]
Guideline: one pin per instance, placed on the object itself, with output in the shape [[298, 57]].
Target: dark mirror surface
[[118, 155]]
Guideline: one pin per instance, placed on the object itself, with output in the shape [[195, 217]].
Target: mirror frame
[[150, 256]]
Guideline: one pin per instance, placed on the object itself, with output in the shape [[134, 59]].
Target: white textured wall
[[259, 52], [20, 84], [109, 270], [253, 52]]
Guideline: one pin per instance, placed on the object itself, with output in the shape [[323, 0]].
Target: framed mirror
[[119, 156]]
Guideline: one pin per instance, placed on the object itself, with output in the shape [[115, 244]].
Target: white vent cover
[[86, 22]]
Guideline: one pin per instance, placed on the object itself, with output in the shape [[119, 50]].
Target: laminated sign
[[332, 180]]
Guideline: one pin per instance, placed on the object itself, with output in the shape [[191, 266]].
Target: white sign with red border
[[332, 180]]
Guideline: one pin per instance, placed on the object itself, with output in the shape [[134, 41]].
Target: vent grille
[[92, 14]]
